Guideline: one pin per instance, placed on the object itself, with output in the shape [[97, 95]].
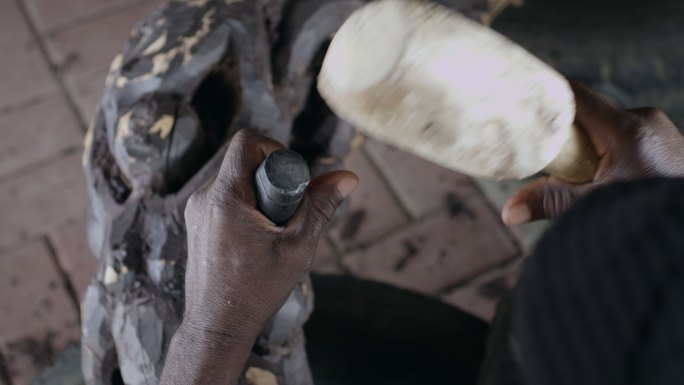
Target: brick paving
[[372, 213], [36, 134], [480, 296], [70, 246], [436, 253], [421, 187], [38, 317], [24, 72], [410, 223]]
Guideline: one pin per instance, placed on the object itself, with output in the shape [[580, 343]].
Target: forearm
[[197, 357]]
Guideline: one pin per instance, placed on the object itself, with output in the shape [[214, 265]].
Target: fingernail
[[517, 214], [346, 186]]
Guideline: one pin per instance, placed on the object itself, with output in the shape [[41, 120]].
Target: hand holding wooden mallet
[[429, 81]]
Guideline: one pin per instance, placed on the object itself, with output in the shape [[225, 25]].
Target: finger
[[654, 117], [544, 198], [322, 198], [244, 155], [602, 120]]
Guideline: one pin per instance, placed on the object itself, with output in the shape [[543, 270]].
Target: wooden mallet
[[427, 80]]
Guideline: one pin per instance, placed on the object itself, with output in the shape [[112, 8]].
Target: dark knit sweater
[[601, 300]]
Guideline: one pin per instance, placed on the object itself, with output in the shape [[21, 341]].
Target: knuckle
[[654, 113], [323, 208], [194, 204], [649, 114], [240, 137], [240, 141], [219, 195], [556, 201], [632, 121], [236, 147]]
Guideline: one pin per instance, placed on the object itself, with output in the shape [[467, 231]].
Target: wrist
[[225, 318], [214, 336], [198, 356]]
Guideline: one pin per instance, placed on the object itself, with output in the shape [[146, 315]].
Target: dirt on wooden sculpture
[[190, 76]]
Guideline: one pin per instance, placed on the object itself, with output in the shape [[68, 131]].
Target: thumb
[[322, 198], [544, 198]]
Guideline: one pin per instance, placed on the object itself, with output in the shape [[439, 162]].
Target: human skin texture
[[241, 266]]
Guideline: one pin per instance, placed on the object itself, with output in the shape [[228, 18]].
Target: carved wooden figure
[[189, 76]]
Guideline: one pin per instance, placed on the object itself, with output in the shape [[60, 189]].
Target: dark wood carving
[[189, 76]]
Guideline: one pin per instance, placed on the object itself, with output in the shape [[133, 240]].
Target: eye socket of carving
[[216, 102], [317, 133], [162, 141], [313, 128]]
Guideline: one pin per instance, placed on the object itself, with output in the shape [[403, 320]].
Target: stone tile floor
[[410, 224]]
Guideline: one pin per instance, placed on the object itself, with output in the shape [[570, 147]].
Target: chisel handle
[[280, 183]]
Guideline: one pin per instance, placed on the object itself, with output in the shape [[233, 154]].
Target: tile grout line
[[4, 371], [338, 255], [385, 180], [342, 253], [467, 199], [105, 10], [497, 214], [71, 103], [395, 193], [71, 292], [516, 255], [412, 222], [27, 169], [25, 103], [388, 234], [34, 238], [446, 290], [14, 246]]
